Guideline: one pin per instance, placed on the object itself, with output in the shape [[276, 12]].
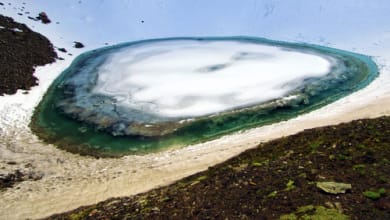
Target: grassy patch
[[315, 144], [374, 195], [315, 212], [290, 185], [360, 168]]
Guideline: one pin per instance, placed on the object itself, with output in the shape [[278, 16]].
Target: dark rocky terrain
[[277, 180], [11, 179], [21, 50]]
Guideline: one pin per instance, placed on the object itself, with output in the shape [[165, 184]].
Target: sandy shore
[[70, 181]]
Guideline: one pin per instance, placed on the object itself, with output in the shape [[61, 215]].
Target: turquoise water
[[57, 128]]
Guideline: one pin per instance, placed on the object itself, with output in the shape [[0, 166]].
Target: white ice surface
[[70, 180], [173, 78]]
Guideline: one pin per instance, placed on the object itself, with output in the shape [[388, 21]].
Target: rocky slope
[[21, 50], [282, 179]]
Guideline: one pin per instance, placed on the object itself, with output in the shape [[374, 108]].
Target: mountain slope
[[275, 179]]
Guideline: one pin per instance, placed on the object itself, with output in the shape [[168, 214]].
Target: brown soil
[[21, 50], [277, 178]]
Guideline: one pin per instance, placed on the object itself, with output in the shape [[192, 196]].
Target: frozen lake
[[154, 94]]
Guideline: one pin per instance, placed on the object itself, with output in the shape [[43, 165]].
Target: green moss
[[290, 185], [382, 191], [81, 214], [305, 209], [315, 144], [342, 157], [361, 146], [374, 195], [198, 180], [201, 178], [360, 168], [256, 164], [259, 163], [77, 216], [288, 217], [272, 194], [143, 202], [315, 213]]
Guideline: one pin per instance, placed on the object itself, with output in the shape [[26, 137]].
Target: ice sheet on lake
[[189, 78]]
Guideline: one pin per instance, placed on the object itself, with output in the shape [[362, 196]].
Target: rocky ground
[[10, 179], [21, 50], [340, 171]]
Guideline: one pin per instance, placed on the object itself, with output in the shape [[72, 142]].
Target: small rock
[[93, 212], [78, 44], [333, 187], [156, 209], [31, 18], [43, 18], [62, 50]]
